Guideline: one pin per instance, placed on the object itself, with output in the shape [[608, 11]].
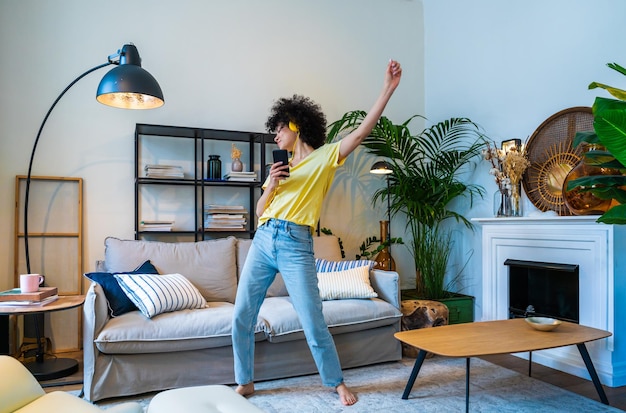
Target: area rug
[[440, 387]]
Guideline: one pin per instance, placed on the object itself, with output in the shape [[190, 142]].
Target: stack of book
[[225, 218], [164, 171], [241, 176], [16, 297], [156, 225]]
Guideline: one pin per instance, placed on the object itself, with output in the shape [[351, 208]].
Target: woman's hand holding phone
[[282, 170]]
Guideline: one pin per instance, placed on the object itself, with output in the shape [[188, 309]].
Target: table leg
[[592, 372], [416, 369], [467, 383]]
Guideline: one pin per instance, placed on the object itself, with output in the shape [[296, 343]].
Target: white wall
[[509, 65], [506, 65], [220, 65]]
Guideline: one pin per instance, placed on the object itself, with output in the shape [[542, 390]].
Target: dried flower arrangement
[[506, 167], [235, 153]]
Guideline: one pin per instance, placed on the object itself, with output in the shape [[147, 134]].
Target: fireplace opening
[[543, 289]]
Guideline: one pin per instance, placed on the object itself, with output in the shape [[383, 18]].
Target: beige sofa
[[133, 354]]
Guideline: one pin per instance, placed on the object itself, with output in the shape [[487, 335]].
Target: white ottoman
[[206, 399]]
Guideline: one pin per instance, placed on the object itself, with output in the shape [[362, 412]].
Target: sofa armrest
[[95, 311], [95, 316], [387, 286]]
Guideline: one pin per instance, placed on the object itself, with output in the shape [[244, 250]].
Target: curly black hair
[[305, 113]]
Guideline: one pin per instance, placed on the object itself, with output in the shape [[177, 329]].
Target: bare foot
[[245, 389], [345, 395]]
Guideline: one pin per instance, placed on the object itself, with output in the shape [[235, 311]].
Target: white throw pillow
[[350, 283], [156, 294]]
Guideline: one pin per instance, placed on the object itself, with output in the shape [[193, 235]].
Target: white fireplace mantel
[[578, 240]]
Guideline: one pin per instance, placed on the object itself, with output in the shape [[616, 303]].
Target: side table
[[52, 368], [418, 314]]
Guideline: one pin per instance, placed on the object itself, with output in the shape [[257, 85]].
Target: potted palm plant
[[427, 169], [610, 131]]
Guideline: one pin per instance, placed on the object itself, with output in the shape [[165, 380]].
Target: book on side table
[[15, 297]]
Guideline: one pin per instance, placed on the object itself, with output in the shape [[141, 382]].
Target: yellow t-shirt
[[299, 197]]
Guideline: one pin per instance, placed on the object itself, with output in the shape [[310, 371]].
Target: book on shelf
[[30, 303], [224, 220], [16, 294], [214, 224], [227, 216], [225, 209], [241, 176], [224, 223], [225, 228], [164, 171]]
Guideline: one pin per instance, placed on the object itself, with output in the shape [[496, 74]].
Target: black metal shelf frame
[[201, 185]]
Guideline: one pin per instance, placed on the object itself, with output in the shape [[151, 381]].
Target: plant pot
[[460, 306]]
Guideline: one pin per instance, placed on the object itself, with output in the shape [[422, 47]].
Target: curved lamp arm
[[32, 157], [127, 86]]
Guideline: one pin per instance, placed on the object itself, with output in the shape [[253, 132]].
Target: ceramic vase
[[237, 165]]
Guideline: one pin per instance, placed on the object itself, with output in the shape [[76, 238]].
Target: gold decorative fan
[[551, 156]]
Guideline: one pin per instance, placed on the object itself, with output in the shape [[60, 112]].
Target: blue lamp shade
[[128, 85]]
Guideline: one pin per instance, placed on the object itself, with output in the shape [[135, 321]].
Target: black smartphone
[[281, 155]]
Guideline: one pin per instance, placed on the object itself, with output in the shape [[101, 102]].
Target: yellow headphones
[[293, 127]]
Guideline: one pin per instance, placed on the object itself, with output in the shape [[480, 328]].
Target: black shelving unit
[[256, 142]]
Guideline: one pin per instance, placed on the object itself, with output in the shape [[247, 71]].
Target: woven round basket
[[549, 150]]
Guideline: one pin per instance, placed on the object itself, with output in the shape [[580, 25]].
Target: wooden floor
[[616, 395]]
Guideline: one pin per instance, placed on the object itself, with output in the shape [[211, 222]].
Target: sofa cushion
[[156, 294], [243, 246], [342, 316], [117, 300], [327, 247], [210, 265], [350, 283], [182, 330]]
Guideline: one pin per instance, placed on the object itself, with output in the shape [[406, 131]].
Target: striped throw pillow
[[350, 283], [322, 265], [156, 294]]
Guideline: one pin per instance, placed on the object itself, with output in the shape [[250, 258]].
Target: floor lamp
[[384, 168], [127, 86]]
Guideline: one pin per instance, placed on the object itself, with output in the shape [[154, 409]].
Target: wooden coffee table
[[498, 337]]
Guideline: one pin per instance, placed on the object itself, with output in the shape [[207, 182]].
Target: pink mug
[[29, 283]]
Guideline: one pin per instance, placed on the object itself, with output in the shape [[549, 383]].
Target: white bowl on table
[[543, 323]]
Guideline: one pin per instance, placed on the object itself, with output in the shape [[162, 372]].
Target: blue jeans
[[285, 247]]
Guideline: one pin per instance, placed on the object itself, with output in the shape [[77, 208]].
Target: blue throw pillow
[[119, 303]]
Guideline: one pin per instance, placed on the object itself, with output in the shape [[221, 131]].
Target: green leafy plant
[[427, 169], [364, 248], [609, 123]]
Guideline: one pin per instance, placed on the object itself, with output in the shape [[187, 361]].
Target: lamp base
[[51, 369]]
